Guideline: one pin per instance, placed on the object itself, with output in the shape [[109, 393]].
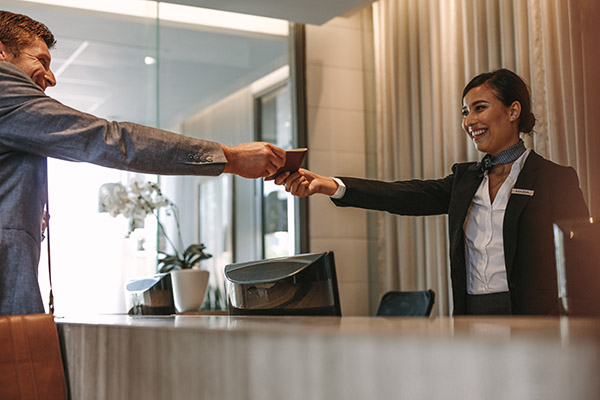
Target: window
[[161, 72], [280, 227]]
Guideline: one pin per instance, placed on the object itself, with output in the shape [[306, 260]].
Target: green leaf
[[192, 255]]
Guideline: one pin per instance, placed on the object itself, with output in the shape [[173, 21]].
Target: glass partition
[[100, 62], [274, 125], [162, 65]]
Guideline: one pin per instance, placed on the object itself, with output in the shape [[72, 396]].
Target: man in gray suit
[[34, 126]]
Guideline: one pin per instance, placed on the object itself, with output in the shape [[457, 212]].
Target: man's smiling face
[[33, 59]]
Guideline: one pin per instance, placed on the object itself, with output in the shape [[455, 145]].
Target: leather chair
[[406, 304]]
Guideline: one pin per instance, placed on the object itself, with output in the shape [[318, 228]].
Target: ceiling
[[100, 57], [100, 64], [315, 12]]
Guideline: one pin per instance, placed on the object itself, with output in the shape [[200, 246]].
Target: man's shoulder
[[10, 72], [15, 82], [10, 69]]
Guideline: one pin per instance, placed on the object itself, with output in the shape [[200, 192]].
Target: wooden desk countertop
[[226, 357]]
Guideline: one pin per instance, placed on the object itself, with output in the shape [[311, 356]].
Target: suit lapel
[[465, 191], [516, 205]]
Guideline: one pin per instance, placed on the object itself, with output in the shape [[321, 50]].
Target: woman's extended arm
[[304, 183]]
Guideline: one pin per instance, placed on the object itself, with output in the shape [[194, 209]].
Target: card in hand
[[293, 161]]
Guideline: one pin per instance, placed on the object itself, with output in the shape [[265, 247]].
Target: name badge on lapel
[[524, 192]]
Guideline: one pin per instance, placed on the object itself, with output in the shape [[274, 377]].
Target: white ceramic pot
[[189, 289]]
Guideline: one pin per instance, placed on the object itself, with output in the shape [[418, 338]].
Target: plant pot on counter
[[189, 289]]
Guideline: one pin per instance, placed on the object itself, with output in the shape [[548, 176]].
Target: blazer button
[[190, 156], [203, 159], [209, 159], [197, 157]]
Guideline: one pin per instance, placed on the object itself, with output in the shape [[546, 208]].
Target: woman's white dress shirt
[[484, 242]]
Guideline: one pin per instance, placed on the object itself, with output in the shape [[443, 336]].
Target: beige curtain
[[426, 51]]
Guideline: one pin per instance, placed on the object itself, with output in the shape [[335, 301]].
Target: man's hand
[[304, 183], [253, 160]]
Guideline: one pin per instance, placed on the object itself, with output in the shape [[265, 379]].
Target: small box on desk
[[304, 284], [151, 295]]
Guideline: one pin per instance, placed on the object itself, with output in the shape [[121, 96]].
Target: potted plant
[[135, 202], [189, 283]]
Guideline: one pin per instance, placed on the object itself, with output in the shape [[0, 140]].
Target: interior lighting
[[177, 13]]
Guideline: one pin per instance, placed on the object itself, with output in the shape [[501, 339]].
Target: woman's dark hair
[[509, 87], [17, 31]]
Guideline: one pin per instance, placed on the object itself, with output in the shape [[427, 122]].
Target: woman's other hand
[[304, 183]]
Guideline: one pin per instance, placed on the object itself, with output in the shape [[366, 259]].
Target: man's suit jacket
[[33, 127], [527, 227]]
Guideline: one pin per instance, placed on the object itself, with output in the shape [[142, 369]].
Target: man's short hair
[[18, 31]]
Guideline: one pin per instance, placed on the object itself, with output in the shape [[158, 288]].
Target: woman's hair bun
[[526, 122]]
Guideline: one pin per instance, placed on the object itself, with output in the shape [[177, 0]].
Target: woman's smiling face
[[491, 125]]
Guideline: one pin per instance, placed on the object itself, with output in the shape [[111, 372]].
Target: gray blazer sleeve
[[34, 123]]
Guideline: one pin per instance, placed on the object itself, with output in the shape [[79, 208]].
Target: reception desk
[[328, 358]]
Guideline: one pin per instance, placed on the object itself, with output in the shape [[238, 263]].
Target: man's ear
[[514, 111], [3, 52]]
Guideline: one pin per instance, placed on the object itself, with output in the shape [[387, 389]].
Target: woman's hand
[[304, 183]]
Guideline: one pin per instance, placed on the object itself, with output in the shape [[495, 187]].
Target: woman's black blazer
[[551, 194]]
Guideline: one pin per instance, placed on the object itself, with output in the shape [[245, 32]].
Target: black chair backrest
[[578, 265], [408, 304]]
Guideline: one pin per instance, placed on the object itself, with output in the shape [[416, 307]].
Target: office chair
[[578, 266], [407, 304]]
